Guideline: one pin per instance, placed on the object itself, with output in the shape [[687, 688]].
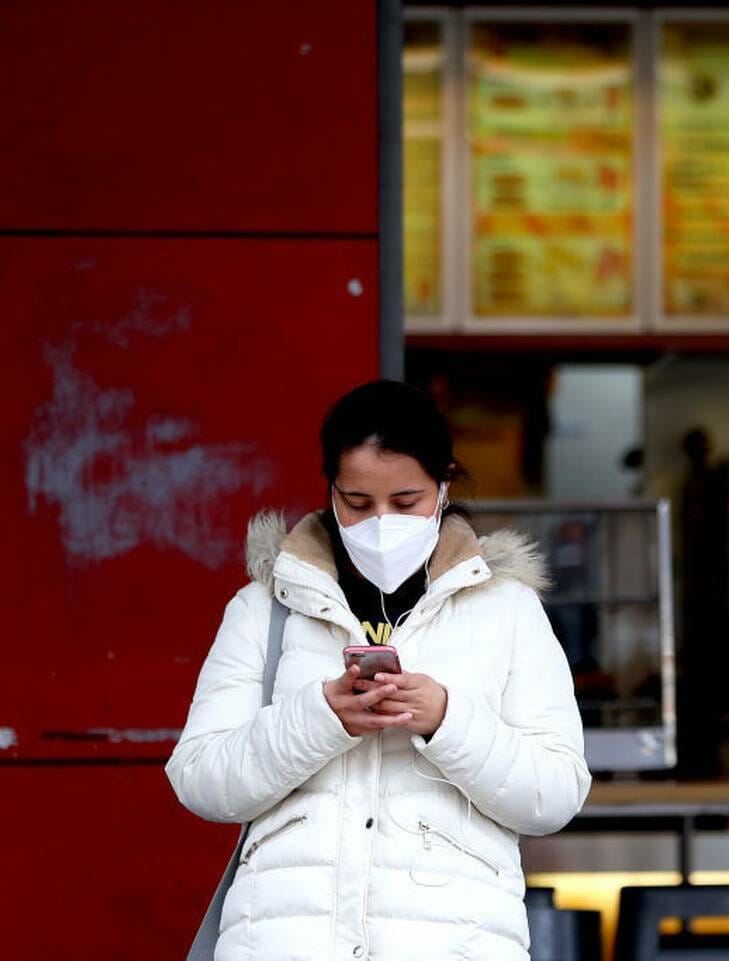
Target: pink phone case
[[372, 659]]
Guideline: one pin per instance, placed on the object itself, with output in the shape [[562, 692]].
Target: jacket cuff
[[326, 721], [465, 715]]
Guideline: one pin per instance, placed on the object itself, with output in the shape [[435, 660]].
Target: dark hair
[[395, 417]]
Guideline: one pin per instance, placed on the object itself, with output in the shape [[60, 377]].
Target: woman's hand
[[358, 712], [418, 694]]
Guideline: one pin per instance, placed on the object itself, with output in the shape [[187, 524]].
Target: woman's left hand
[[419, 694]]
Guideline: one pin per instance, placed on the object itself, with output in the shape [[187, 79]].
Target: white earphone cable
[[410, 611]]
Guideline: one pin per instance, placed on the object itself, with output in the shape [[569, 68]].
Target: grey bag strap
[[203, 947], [279, 613]]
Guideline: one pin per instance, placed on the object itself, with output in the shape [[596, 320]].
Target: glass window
[[550, 140], [423, 153], [607, 607], [693, 82]]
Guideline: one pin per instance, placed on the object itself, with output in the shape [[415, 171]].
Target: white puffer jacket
[[383, 847]]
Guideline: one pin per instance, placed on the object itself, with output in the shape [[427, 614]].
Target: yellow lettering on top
[[381, 635]]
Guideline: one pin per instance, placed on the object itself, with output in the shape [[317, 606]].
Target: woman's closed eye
[[357, 507], [397, 505]]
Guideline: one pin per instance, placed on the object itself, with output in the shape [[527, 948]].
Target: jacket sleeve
[[522, 767], [235, 759]]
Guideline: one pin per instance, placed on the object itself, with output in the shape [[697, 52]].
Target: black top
[[364, 597]]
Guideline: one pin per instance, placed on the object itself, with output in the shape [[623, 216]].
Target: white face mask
[[389, 549]]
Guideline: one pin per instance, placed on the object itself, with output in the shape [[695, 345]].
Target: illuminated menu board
[[694, 136], [422, 160], [550, 129]]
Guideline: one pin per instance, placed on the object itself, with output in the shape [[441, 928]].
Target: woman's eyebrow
[[404, 493]]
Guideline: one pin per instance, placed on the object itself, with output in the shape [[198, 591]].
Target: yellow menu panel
[[422, 159], [694, 136], [550, 125]]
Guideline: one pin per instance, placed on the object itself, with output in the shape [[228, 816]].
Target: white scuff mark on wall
[[8, 738], [119, 486], [167, 430], [136, 735], [151, 316], [87, 263]]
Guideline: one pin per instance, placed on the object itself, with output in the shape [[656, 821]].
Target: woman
[[386, 813]]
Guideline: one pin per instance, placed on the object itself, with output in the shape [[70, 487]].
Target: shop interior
[[566, 273]]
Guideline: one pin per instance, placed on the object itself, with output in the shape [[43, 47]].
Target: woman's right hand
[[352, 708]]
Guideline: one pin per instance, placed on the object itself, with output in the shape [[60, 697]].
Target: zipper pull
[[271, 834], [249, 853], [424, 829]]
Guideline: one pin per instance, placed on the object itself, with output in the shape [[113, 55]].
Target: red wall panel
[[164, 390], [157, 391], [189, 115], [107, 865]]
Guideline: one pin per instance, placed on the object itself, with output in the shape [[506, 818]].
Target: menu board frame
[[452, 200], [648, 314], [661, 320], [533, 323]]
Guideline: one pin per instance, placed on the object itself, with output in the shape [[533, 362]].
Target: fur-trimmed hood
[[508, 554]]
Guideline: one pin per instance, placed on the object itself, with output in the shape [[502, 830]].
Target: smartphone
[[373, 659]]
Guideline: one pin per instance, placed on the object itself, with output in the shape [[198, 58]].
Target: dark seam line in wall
[[189, 234]]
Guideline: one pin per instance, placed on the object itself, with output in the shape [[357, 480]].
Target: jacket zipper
[[427, 832], [271, 834], [376, 814]]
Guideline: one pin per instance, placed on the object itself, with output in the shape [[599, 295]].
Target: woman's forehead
[[368, 464]]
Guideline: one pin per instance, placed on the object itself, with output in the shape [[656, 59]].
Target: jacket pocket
[[278, 832], [429, 832]]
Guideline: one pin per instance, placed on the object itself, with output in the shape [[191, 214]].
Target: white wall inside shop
[[596, 416]]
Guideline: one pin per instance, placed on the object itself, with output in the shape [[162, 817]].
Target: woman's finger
[[369, 698], [403, 680], [364, 685], [391, 706], [344, 684], [379, 721]]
